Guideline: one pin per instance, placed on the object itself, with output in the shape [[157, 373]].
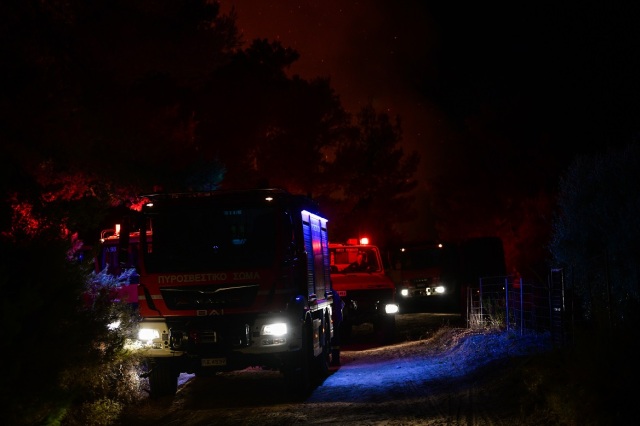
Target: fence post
[[521, 307], [469, 305], [506, 302], [481, 317], [557, 308]]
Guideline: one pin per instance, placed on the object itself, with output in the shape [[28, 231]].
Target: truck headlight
[[404, 292], [275, 329], [153, 334], [391, 308], [146, 334], [440, 289]]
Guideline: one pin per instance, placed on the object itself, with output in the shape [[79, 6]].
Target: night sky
[[437, 65], [512, 91], [373, 52]]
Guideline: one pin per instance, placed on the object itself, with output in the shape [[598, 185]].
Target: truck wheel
[[297, 372], [163, 378], [385, 329]]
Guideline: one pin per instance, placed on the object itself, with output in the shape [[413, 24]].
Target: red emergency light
[[354, 241]]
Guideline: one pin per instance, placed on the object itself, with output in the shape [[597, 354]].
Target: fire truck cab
[[359, 277], [419, 271], [229, 280]]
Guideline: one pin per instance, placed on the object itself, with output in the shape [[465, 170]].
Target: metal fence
[[520, 306]]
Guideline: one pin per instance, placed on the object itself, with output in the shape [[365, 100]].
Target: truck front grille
[[209, 297], [425, 281]]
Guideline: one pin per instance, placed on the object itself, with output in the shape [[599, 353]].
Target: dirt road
[[435, 374]]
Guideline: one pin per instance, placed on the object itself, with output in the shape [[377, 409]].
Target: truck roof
[[278, 196]]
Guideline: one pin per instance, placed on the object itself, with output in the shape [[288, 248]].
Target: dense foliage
[[61, 355], [597, 237], [168, 100], [595, 247]]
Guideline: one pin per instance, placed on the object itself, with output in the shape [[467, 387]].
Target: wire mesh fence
[[519, 306]]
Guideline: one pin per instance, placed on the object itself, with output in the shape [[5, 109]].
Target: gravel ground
[[452, 376]]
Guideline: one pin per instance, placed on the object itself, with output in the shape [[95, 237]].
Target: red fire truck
[[229, 280], [359, 277]]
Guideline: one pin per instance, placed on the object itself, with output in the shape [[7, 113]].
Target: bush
[[63, 356]]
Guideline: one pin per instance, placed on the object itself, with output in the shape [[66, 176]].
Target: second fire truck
[[359, 277]]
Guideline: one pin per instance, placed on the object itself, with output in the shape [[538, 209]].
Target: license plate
[[342, 293], [213, 362]]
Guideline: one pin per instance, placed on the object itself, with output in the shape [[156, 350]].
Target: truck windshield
[[209, 239], [354, 259]]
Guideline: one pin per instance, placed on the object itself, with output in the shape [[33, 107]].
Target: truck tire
[[385, 328], [298, 370], [163, 378]]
